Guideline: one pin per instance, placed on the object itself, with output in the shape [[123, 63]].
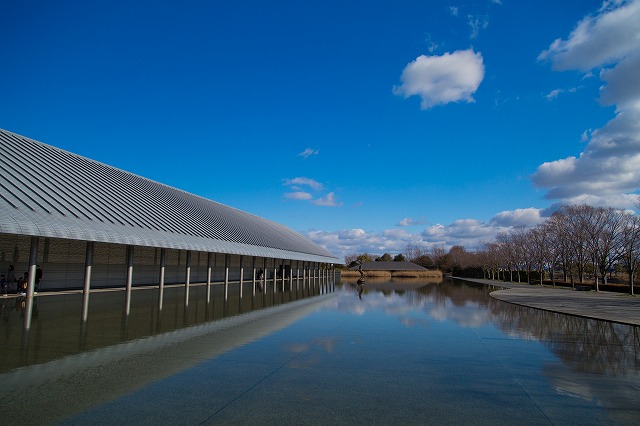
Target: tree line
[[354, 259], [575, 241]]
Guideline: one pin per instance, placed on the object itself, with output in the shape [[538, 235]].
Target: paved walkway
[[603, 305]]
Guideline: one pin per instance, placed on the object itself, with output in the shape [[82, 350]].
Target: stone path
[[603, 305]]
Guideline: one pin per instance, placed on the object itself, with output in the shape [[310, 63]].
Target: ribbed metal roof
[[49, 192]]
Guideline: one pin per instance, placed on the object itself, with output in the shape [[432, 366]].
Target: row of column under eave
[[321, 276]]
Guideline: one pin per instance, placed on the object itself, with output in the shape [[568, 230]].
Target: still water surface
[[402, 352]]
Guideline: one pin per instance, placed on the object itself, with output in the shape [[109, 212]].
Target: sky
[[365, 125]]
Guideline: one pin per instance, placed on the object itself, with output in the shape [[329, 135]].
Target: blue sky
[[365, 125]]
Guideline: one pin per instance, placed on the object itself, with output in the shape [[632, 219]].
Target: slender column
[[275, 277], [304, 277], [226, 277], [163, 262], [282, 268], [253, 264], [326, 274], [208, 278], [297, 276], [241, 275], [333, 277], [88, 263], [291, 278], [264, 276], [325, 277], [187, 278], [33, 258], [129, 280], [31, 282]]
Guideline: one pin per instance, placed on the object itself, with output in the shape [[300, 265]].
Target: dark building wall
[[63, 263]]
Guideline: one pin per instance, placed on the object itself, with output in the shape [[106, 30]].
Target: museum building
[[89, 225]]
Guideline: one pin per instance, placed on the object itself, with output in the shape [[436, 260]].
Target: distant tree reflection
[[587, 345]]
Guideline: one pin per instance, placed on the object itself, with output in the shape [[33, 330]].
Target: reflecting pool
[[392, 352]]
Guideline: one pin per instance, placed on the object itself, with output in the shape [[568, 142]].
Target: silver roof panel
[[64, 195]]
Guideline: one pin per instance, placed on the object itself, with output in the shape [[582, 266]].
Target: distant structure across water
[[387, 269]]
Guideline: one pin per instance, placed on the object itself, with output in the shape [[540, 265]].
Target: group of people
[[21, 282]]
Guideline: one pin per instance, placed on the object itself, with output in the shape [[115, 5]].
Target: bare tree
[[413, 252], [439, 257], [518, 237], [630, 246], [553, 249], [537, 243], [558, 228], [602, 227], [350, 258], [609, 240], [507, 252], [576, 224], [492, 259], [458, 258]]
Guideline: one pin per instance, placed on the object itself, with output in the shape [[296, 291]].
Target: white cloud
[[298, 192], [553, 94], [454, 10], [477, 23], [433, 46], [607, 172], [308, 152], [407, 221], [557, 92], [598, 40], [623, 85], [466, 232], [343, 242], [518, 217], [328, 200], [617, 201], [470, 233], [439, 80], [298, 195], [303, 181]]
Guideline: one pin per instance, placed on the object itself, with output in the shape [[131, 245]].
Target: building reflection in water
[[56, 330]]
